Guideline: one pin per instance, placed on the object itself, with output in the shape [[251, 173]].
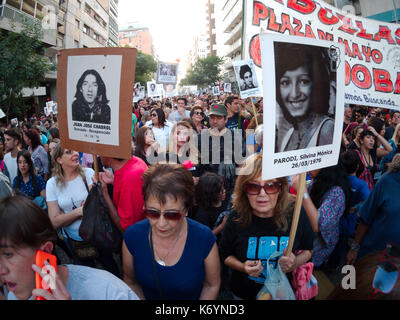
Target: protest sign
[[215, 91], [372, 52], [152, 89], [136, 92], [303, 83], [246, 78], [167, 73], [95, 88], [227, 87]]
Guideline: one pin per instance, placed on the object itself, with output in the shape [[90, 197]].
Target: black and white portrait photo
[[303, 82], [167, 73], [305, 92], [227, 87], [216, 90], [91, 103], [246, 78], [152, 89]]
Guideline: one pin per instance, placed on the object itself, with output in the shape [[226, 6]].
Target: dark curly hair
[[208, 190]]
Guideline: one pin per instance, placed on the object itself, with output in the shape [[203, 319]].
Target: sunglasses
[[198, 113], [153, 115], [269, 188], [169, 215], [387, 272]]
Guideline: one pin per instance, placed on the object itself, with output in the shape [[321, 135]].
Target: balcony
[[232, 17], [234, 48], [234, 34], [16, 17]]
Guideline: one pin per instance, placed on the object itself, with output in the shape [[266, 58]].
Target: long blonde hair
[[241, 204], [57, 171], [190, 146], [394, 137]]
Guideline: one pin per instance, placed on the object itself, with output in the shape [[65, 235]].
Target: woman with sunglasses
[[327, 202], [170, 256], [258, 226], [197, 116], [160, 126]]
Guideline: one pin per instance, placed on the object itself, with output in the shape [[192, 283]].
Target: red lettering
[[384, 33], [347, 50], [298, 24], [362, 33], [361, 76], [397, 33], [397, 85], [382, 80], [309, 32], [323, 17], [367, 53], [346, 24], [272, 25], [286, 25], [280, 1], [302, 6], [347, 73], [377, 56], [255, 52], [260, 12], [356, 52]]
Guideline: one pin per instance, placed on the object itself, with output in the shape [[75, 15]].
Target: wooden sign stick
[[296, 214], [96, 167], [254, 111]]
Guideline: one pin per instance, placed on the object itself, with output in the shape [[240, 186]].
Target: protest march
[[280, 185]]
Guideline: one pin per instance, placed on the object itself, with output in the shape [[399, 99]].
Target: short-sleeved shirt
[[134, 121], [40, 160], [330, 211], [257, 242], [86, 283], [381, 213], [28, 187], [182, 281]]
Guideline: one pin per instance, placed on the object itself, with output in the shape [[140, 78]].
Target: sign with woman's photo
[[167, 72], [303, 86], [227, 87], [246, 78], [95, 88], [152, 89]]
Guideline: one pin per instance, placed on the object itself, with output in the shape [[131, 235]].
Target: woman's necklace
[[161, 261], [368, 163]]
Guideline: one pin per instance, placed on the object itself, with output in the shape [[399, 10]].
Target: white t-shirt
[[161, 135], [86, 283], [12, 166], [70, 197]]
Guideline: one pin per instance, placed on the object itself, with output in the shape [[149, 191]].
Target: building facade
[[137, 37]]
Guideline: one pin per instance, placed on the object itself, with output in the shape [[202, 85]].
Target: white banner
[[167, 73], [372, 51], [303, 88]]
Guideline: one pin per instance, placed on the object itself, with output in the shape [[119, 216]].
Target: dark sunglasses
[[387, 272], [198, 113], [169, 215], [154, 115], [269, 188]]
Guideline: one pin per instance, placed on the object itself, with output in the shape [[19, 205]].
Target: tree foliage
[[22, 64], [205, 72], [145, 67]]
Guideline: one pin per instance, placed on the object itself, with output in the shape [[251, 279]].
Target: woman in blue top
[[169, 256], [27, 182]]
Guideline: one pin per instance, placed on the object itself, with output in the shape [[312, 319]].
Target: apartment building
[[139, 37]]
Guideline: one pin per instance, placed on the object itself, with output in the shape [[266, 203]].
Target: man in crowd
[[395, 121], [181, 113], [12, 141], [126, 204], [235, 120]]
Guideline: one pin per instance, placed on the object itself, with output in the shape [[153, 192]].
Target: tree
[[205, 72], [145, 67], [22, 64]]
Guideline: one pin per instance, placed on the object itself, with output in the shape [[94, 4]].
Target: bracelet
[[306, 195]]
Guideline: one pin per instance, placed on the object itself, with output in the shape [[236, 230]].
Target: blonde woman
[[258, 226], [66, 193]]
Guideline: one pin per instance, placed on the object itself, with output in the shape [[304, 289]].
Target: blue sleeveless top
[[182, 281]]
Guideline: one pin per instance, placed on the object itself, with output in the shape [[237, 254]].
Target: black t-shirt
[[257, 242], [208, 217]]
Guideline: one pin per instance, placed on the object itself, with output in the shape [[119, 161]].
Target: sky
[[173, 24]]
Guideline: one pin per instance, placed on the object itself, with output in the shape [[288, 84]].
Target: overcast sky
[[173, 23]]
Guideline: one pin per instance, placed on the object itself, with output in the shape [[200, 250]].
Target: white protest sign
[[303, 83], [246, 78]]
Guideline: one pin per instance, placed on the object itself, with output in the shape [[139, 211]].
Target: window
[[28, 6], [77, 24], [76, 43], [85, 29]]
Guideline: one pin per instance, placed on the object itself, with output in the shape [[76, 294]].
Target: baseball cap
[[218, 110]]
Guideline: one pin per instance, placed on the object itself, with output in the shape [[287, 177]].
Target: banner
[[372, 51], [303, 83], [167, 73]]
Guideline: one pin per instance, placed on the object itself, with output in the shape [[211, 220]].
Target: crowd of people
[[196, 218]]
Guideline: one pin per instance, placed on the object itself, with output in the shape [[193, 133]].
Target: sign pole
[[296, 214], [96, 167]]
